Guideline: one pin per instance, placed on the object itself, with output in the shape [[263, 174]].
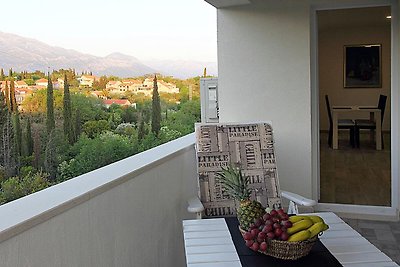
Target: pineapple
[[236, 185]]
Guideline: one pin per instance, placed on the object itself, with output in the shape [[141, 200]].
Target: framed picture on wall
[[362, 66]]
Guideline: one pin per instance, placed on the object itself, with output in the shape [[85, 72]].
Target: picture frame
[[362, 66]]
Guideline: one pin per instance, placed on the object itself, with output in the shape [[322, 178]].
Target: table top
[[355, 108], [208, 243]]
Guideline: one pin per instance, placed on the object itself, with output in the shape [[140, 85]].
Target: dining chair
[[342, 124], [369, 124]]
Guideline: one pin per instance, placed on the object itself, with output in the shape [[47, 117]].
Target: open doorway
[[357, 172]]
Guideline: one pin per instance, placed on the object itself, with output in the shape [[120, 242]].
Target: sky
[[146, 29]]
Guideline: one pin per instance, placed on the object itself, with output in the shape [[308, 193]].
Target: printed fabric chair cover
[[249, 145]]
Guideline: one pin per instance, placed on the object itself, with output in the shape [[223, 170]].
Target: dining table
[[353, 112], [218, 243]]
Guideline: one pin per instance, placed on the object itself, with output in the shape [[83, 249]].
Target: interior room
[[354, 61]]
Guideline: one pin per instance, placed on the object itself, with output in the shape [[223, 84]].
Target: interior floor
[[359, 176]]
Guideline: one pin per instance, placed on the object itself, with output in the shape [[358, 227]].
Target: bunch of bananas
[[305, 227]]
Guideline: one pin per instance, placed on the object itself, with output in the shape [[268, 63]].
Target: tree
[[141, 130], [1, 74], [10, 73], [156, 109], [67, 112], [50, 122], [36, 149], [50, 157], [29, 138], [18, 134], [3, 121], [78, 125], [8, 148], [13, 100], [7, 96]]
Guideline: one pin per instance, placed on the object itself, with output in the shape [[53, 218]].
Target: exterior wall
[[128, 213], [264, 75], [331, 42]]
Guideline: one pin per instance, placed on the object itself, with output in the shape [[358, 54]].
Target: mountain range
[[26, 54]]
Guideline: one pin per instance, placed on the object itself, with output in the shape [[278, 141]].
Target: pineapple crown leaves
[[234, 182]]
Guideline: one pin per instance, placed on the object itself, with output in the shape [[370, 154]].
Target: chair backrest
[[328, 107], [250, 145], [382, 105]]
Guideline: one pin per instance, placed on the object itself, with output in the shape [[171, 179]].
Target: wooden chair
[[250, 145], [370, 124], [342, 124]]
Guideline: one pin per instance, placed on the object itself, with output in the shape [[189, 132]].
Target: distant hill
[[22, 53]]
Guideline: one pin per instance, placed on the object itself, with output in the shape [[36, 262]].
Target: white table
[[208, 244], [349, 112]]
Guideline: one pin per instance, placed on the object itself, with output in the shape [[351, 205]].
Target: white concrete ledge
[[24, 213]]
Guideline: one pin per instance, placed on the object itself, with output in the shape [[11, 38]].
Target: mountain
[[183, 68], [22, 54]]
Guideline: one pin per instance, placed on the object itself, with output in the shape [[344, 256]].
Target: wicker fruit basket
[[288, 250]]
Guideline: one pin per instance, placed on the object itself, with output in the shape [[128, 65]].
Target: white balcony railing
[[128, 213]]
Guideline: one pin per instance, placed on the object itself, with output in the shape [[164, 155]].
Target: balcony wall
[[125, 214]]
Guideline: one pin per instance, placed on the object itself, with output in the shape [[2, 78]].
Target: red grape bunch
[[271, 225]]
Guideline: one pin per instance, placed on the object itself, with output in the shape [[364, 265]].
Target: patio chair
[[250, 145]]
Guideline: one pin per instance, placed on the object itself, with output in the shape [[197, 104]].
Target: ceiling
[[353, 17]]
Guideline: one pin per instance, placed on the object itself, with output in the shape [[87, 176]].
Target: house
[[60, 82], [42, 82], [163, 87], [86, 80], [20, 84], [120, 102], [289, 57], [21, 94], [112, 84]]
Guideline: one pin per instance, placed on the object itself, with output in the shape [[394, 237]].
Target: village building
[[120, 102]]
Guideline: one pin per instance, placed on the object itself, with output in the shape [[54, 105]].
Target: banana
[[316, 228], [300, 225], [296, 218], [300, 236], [313, 218]]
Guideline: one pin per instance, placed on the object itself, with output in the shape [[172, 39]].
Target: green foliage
[[29, 81], [95, 153], [50, 157], [156, 109], [94, 128], [29, 138], [50, 121], [13, 100], [18, 133], [184, 119], [16, 187], [67, 112], [126, 129]]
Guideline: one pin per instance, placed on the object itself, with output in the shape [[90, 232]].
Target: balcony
[[125, 214]]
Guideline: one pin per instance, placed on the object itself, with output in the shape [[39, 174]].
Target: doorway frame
[[357, 211]]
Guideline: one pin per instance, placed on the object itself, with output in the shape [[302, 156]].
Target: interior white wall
[[264, 74]]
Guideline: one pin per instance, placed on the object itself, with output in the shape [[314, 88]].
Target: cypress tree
[[29, 138], [50, 157], [13, 100], [67, 112], [50, 122], [8, 147], [2, 75], [7, 96], [18, 134], [3, 118], [156, 109], [78, 125], [10, 73], [36, 149]]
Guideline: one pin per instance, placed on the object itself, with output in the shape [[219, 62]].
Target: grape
[[276, 225], [255, 246], [266, 217], [249, 243], [273, 213], [263, 246], [267, 228], [278, 232], [261, 235], [271, 235], [284, 236], [248, 236], [254, 232]]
